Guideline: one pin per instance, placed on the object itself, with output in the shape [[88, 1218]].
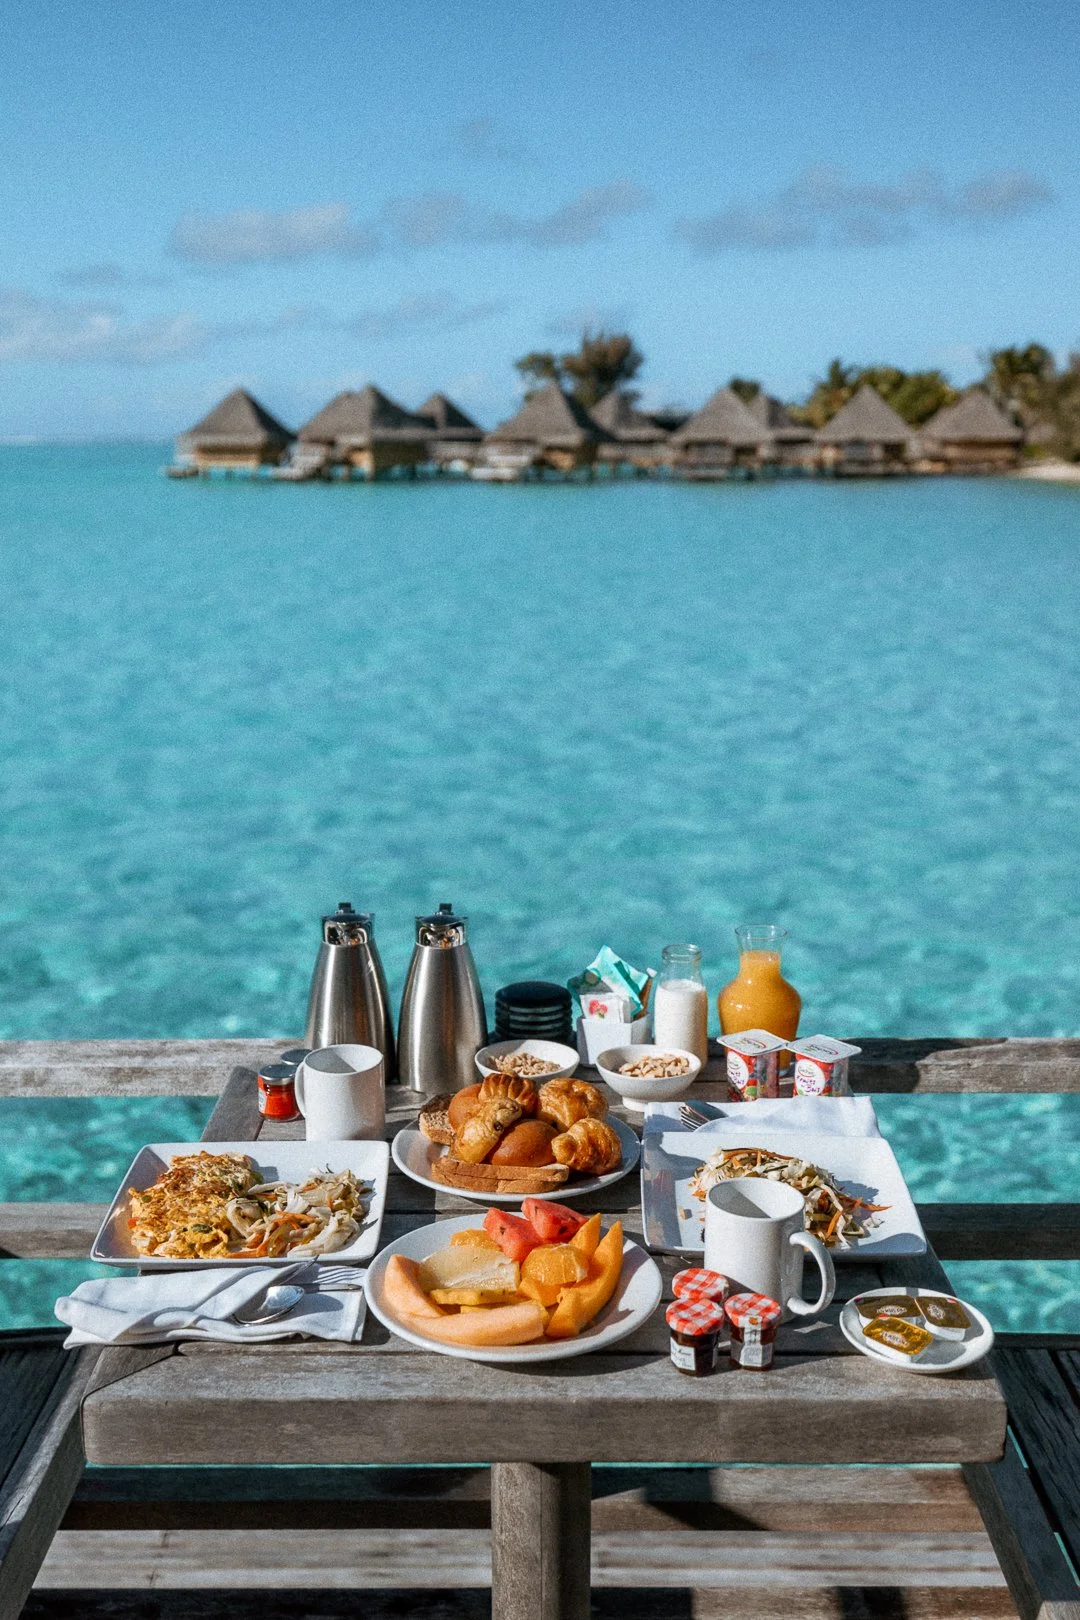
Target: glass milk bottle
[[680, 1002], [759, 997]]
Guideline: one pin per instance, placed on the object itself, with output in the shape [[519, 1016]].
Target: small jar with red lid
[[696, 1325], [277, 1091], [753, 1321], [697, 1283]]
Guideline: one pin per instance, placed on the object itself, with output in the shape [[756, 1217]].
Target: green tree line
[[1025, 381]]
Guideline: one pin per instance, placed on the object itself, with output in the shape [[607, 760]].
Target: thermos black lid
[[445, 917], [346, 914]]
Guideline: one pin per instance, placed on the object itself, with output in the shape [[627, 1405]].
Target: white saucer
[[414, 1155], [638, 1294], [943, 1356]]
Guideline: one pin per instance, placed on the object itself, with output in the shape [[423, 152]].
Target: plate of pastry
[[506, 1139], [536, 1287]]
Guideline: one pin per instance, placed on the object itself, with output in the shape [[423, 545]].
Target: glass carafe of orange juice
[[759, 997]]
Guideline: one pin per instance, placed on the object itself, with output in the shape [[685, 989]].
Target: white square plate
[[285, 1161], [865, 1166]]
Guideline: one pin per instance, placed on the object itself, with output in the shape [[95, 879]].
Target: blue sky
[[307, 198]]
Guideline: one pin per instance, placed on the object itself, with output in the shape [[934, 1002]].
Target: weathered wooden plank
[[540, 1541], [236, 1116], [346, 1408], [127, 1068], [805, 1499], [1044, 1418], [28, 1373], [49, 1231], [615, 1603], [1003, 1231], [195, 1068], [1040, 1581], [40, 1483], [378, 1559]]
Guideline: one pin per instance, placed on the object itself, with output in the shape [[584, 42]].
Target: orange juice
[[759, 997]]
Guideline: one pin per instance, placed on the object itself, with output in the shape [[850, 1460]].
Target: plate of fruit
[[505, 1139], [538, 1286]]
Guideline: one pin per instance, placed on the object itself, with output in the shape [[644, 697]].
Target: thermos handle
[[298, 1088], [799, 1307]]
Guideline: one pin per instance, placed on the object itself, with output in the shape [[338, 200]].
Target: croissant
[[590, 1145], [564, 1102], [484, 1129], [516, 1087]]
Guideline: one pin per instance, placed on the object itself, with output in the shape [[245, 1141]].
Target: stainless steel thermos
[[443, 1023], [348, 1002]]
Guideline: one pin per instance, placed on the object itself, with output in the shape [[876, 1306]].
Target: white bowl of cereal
[[644, 1074], [538, 1061]]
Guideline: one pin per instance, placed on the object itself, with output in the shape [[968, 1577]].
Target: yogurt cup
[[753, 1063], [821, 1066]]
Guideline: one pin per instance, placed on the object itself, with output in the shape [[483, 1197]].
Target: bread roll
[[527, 1143], [463, 1103]]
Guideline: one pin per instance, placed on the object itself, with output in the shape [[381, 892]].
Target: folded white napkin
[[157, 1306], [832, 1116]]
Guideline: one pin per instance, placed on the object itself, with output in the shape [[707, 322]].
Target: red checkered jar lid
[[697, 1283], [743, 1306], [694, 1316]]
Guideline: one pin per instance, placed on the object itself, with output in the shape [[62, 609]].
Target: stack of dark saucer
[[533, 1010]]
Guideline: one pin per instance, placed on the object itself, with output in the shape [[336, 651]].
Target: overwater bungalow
[[239, 435], [366, 433], [719, 438], [636, 438], [865, 436], [974, 435], [455, 439], [551, 430], [790, 443]]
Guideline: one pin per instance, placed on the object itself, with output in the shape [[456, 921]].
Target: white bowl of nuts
[[539, 1061], [645, 1074]]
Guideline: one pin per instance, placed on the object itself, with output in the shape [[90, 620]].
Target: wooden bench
[[737, 1540]]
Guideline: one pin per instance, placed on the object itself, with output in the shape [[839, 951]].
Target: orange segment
[[474, 1235], [546, 1271]]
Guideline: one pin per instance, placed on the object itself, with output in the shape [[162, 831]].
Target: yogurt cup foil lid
[[823, 1049], [752, 1043]]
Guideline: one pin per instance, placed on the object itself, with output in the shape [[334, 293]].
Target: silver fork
[[693, 1118], [339, 1279]]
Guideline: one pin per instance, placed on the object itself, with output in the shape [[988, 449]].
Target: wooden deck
[[744, 1541]]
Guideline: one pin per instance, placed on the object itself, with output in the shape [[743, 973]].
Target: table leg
[[540, 1541]]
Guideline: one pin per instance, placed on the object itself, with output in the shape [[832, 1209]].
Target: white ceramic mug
[[341, 1094], [754, 1236]]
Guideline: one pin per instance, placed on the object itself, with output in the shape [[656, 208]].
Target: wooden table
[[383, 1401]]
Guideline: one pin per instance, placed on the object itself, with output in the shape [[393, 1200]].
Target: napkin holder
[[596, 1035]]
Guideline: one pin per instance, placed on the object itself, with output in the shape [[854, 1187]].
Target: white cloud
[[824, 208], [259, 235], [33, 328], [438, 311]]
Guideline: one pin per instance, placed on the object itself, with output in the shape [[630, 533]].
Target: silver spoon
[[277, 1301]]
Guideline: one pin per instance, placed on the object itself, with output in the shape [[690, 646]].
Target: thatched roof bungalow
[[367, 432], [550, 430], [790, 443], [635, 437], [454, 437], [722, 435], [238, 434], [974, 435], [865, 435]]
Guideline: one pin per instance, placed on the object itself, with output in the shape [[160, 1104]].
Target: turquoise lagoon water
[[620, 713]]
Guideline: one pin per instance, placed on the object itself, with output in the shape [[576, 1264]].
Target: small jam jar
[[754, 1319], [697, 1284], [277, 1091], [695, 1335]]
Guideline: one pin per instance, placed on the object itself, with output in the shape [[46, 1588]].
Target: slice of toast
[[434, 1120], [497, 1178]]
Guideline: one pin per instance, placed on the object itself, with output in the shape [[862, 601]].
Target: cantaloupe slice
[[586, 1238], [401, 1285], [503, 1324], [578, 1305]]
